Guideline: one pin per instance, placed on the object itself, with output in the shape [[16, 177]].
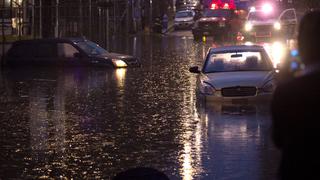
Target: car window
[[184, 14], [237, 61], [217, 13], [261, 16], [91, 48], [46, 50], [289, 15], [66, 50], [21, 51]]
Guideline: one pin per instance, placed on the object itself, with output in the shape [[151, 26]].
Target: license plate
[[240, 101]]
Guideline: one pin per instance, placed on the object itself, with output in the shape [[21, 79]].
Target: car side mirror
[[194, 69], [77, 55]]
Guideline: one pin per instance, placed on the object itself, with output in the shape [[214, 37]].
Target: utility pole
[[114, 17], [3, 32], [150, 15], [127, 16], [81, 18], [90, 19], [107, 27], [40, 18], [56, 32], [33, 20]]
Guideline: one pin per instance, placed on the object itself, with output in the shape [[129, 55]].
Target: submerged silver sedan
[[236, 73]]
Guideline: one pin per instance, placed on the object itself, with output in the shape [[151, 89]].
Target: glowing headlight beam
[[267, 8], [248, 27], [252, 9], [277, 26]]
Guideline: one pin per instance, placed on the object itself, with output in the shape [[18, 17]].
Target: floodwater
[[86, 123]]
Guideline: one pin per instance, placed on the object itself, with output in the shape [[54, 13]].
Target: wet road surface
[[86, 123]]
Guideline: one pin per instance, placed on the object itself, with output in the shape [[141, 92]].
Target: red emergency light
[[226, 4]]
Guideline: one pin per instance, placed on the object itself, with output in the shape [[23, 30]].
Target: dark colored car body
[[63, 52], [216, 23]]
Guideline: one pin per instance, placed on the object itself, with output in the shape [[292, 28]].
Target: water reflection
[[87, 123], [238, 140]]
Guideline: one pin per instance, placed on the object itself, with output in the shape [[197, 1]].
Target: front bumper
[[209, 31], [263, 32], [183, 24], [217, 97]]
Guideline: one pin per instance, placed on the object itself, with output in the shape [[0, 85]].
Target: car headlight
[[118, 63], [269, 86], [248, 27], [206, 89], [222, 24], [277, 26]]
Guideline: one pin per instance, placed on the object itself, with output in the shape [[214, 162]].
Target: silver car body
[[181, 21], [244, 85]]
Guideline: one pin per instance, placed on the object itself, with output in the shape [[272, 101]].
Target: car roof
[[51, 40], [237, 48]]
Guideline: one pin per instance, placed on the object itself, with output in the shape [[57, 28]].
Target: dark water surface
[[86, 123]]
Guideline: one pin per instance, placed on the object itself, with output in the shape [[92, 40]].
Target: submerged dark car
[[65, 52]]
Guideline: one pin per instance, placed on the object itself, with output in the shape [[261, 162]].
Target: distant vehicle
[[266, 22], [236, 73], [217, 23], [65, 52], [188, 4], [184, 19]]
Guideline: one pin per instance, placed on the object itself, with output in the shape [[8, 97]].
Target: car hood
[[183, 19], [241, 78], [263, 23]]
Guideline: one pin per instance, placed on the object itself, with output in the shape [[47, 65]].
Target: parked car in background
[[184, 19], [188, 4], [236, 73], [65, 52]]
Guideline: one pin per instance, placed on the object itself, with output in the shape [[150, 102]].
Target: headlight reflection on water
[[121, 76], [276, 52]]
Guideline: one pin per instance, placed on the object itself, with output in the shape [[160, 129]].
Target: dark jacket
[[296, 126]]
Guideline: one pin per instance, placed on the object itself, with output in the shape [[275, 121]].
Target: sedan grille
[[239, 91]]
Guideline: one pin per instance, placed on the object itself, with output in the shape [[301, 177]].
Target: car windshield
[[91, 48], [237, 61], [261, 16], [217, 13], [183, 14]]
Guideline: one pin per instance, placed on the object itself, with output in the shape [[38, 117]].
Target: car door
[[288, 20], [21, 54], [45, 54], [69, 55]]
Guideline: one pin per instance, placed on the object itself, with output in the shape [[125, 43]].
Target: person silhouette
[[295, 109]]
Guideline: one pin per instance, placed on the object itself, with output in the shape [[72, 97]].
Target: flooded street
[[92, 123]]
